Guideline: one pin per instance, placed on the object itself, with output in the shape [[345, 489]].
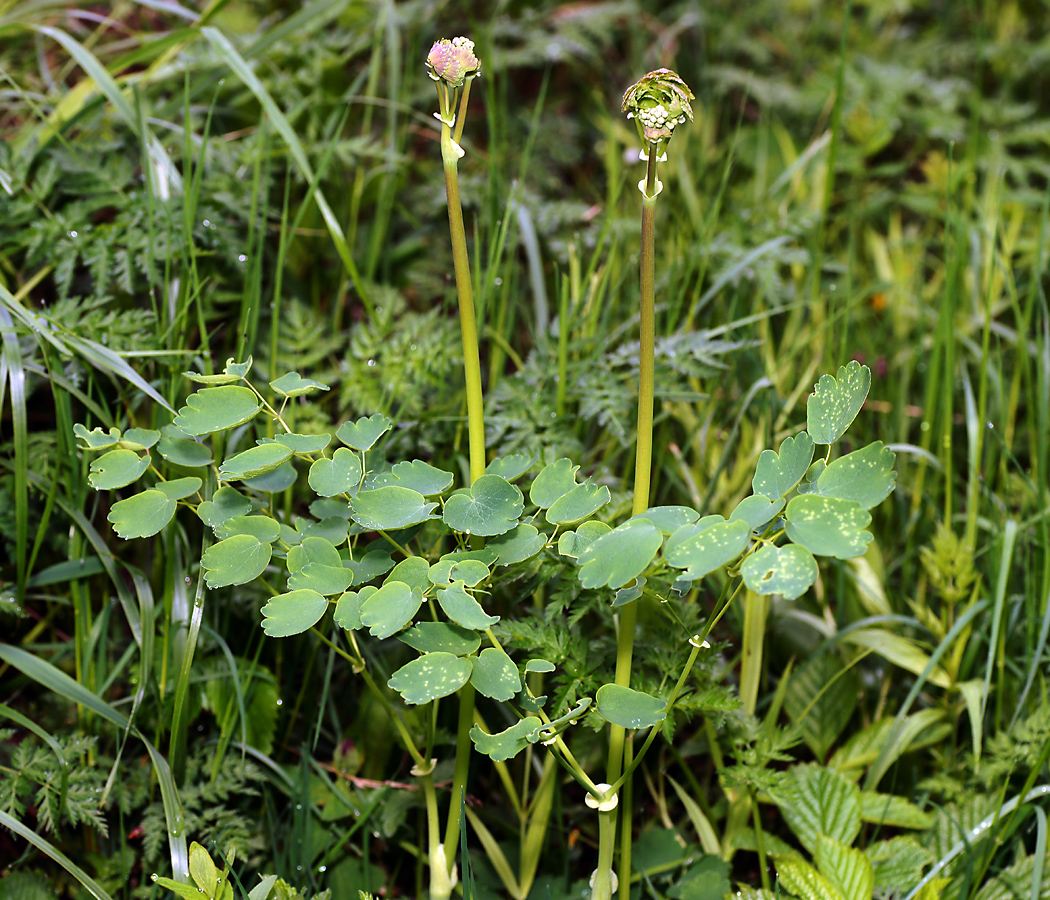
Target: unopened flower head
[[658, 102], [453, 61]]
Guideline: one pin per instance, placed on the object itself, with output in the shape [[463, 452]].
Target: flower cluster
[[453, 61], [658, 102]]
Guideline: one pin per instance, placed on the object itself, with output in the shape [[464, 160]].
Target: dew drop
[[72, 234], [371, 363], [242, 258], [207, 224]]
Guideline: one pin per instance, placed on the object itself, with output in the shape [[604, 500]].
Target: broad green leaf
[[452, 567], [313, 550], [280, 479], [293, 384], [820, 699], [495, 675], [233, 371], [517, 545], [510, 467], [867, 745], [894, 811], [835, 402], [621, 555], [582, 501], [184, 452], [847, 869], [348, 608], [416, 475], [573, 543], [178, 488], [463, 609], [757, 511], [338, 475], [629, 708], [371, 565], [898, 863], [96, 439], [828, 526], [304, 443], [670, 518], [865, 476], [390, 508], [552, 482], [321, 579], [225, 503], [632, 592], [217, 409], [778, 473], [363, 433], [430, 677], [509, 743], [706, 546], [809, 486], [801, 880], [821, 801], [334, 529], [236, 560], [490, 506], [203, 870], [263, 527], [899, 650], [788, 570], [293, 613], [140, 438], [413, 571], [141, 515], [327, 508], [539, 665], [441, 637], [254, 461], [116, 469], [390, 608]]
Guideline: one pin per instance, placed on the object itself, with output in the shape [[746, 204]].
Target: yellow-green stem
[[459, 775]]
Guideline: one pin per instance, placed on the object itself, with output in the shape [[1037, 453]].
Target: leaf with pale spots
[[621, 555], [835, 402], [865, 476], [443, 637], [430, 677], [670, 518], [757, 511], [293, 613], [495, 675], [708, 545], [573, 543], [506, 744], [777, 473], [828, 526], [786, 570]]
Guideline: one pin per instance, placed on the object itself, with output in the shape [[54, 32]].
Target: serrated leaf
[[390, 608], [183, 452], [621, 555], [706, 546], [236, 560], [865, 476], [777, 473], [322, 579], [96, 439], [254, 461], [140, 438], [835, 402], [898, 863], [552, 482], [510, 467], [670, 518], [141, 515], [789, 570], [757, 511], [217, 409], [417, 475], [389, 508], [363, 433], [441, 637], [116, 469], [506, 744], [517, 545], [820, 699], [338, 475], [348, 608], [821, 801], [629, 708], [225, 503], [490, 506], [573, 543], [178, 488], [463, 609], [582, 501], [828, 526], [430, 677], [293, 613], [495, 675], [801, 880], [894, 811], [293, 385], [847, 869], [264, 528], [304, 443]]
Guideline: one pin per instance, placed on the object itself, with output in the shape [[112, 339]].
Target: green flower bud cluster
[[658, 102], [453, 61]]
